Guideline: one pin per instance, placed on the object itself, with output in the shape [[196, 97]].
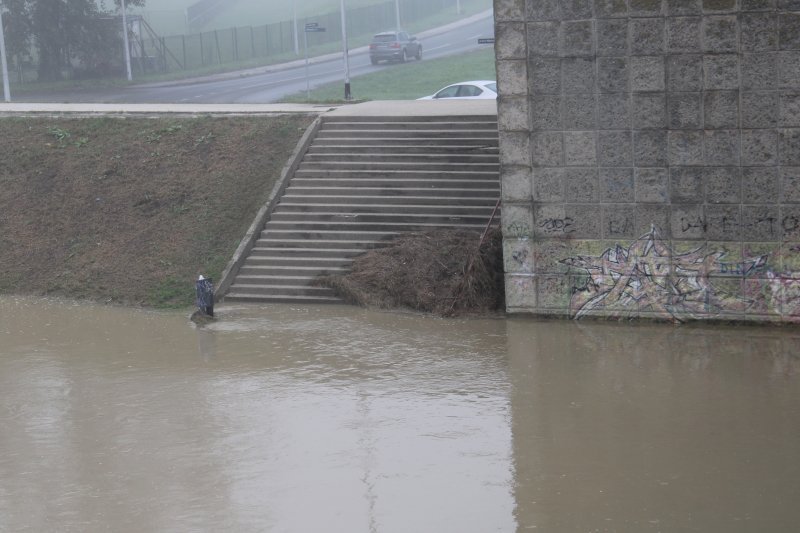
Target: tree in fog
[[63, 31], [16, 29]]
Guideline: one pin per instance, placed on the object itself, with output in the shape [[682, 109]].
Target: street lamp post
[[305, 49], [6, 87], [127, 44], [294, 29], [397, 13], [347, 95]]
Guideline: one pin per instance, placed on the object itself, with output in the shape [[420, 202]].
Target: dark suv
[[394, 46]]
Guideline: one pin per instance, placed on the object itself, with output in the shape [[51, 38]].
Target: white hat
[[201, 278]]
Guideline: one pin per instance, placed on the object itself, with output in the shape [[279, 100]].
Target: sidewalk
[[416, 108], [23, 108], [377, 108]]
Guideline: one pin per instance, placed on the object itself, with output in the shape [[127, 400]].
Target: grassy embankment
[[131, 210]]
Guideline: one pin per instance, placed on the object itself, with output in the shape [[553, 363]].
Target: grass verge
[[408, 81]]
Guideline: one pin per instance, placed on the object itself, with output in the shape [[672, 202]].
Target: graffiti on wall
[[649, 278], [787, 288]]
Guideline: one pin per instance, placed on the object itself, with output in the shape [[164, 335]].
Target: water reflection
[[655, 428], [206, 343], [338, 419]]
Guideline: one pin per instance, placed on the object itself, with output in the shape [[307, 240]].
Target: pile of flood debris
[[444, 272]]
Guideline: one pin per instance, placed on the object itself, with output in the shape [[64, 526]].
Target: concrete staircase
[[363, 181]]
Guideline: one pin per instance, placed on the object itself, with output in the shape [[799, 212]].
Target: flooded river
[[338, 419]]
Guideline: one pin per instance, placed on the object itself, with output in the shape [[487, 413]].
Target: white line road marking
[[288, 80]]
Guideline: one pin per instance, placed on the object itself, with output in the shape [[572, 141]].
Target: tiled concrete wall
[[650, 156]]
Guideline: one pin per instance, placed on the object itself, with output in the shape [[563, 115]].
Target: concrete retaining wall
[[650, 156]]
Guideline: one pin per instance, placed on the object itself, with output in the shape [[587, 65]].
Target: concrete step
[[297, 281], [241, 296], [314, 227], [459, 184], [382, 217], [308, 196], [305, 252], [281, 290], [486, 141], [446, 133], [377, 150], [419, 119], [393, 192], [406, 125], [315, 233], [398, 165], [402, 175], [285, 208], [275, 270], [321, 244], [388, 158], [281, 261]]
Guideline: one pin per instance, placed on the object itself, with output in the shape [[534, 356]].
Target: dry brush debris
[[443, 272]]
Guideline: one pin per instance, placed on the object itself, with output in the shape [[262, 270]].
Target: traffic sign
[[314, 29], [488, 40]]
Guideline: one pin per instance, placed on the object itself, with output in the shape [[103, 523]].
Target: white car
[[468, 90]]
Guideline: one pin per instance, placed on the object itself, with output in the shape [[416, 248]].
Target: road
[[269, 84]]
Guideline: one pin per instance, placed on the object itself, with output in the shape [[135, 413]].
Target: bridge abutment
[[650, 155]]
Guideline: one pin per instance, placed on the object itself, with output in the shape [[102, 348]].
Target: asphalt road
[[269, 84]]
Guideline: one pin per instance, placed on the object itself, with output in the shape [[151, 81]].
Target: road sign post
[[310, 27], [345, 53]]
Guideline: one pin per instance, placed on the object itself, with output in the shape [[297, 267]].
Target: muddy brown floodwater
[[339, 419]]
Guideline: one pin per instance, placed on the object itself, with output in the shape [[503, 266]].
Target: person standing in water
[[204, 288]]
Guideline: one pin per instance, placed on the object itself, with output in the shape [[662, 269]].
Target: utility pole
[[397, 13], [347, 95], [6, 87], [294, 29], [127, 44], [305, 49]]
